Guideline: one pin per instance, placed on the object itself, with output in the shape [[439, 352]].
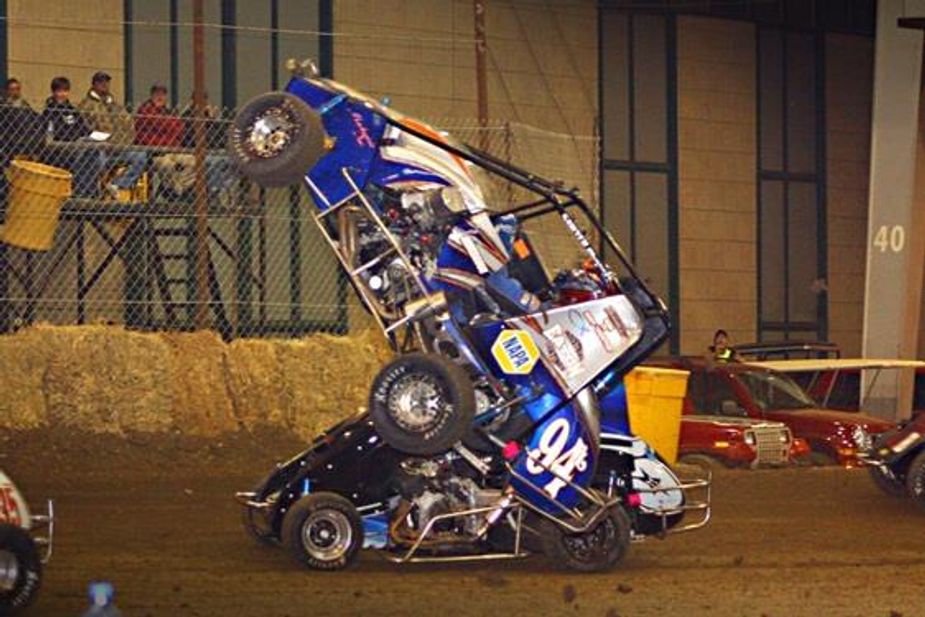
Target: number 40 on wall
[[892, 238]]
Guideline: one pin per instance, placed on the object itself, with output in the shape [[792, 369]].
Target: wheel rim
[[327, 535], [417, 403], [270, 133], [9, 570], [587, 546]]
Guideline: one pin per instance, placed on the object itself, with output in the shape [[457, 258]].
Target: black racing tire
[[596, 550], [411, 424], [17, 547], [323, 531], [295, 157], [915, 480], [704, 461], [888, 483], [819, 458]]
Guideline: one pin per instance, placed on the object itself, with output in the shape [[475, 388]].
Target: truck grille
[[768, 446]]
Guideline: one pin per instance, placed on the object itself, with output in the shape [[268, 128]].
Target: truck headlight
[[862, 438], [750, 438]]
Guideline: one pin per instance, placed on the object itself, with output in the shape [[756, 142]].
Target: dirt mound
[[105, 379]]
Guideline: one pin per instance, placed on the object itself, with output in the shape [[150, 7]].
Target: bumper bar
[[45, 522]]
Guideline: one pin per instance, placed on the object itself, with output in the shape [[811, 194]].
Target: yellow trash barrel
[[654, 398], [36, 194]]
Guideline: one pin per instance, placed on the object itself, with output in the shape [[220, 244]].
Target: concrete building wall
[[717, 203], [44, 41], [849, 79], [542, 64], [541, 72]]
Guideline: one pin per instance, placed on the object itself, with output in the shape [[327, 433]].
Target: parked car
[[897, 461], [836, 383], [744, 390], [711, 440], [22, 549]]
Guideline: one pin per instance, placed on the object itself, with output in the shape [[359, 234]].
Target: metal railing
[[125, 246]]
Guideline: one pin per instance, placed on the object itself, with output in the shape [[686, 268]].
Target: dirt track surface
[[156, 518]]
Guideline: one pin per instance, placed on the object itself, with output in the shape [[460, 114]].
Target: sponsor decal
[[564, 349], [515, 352], [361, 133], [606, 324], [551, 455]]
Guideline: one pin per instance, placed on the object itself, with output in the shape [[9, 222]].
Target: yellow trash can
[[654, 398], [36, 194]]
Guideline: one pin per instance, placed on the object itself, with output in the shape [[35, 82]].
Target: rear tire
[[887, 482], [915, 480], [324, 531], [20, 569], [422, 403], [598, 549], [275, 139], [704, 461]]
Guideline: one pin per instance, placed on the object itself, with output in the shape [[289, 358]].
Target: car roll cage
[[423, 304]]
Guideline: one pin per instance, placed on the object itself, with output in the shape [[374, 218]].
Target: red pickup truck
[[741, 391]]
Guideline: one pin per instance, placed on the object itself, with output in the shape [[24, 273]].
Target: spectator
[[12, 96], [20, 128], [64, 123], [107, 117], [720, 349], [213, 123], [155, 125], [219, 174]]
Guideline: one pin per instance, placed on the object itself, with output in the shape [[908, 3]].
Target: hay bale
[[23, 362], [326, 378], [108, 380], [201, 404], [255, 384]]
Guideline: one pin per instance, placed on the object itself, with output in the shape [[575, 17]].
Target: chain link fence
[[123, 247]]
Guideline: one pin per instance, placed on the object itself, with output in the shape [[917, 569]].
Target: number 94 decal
[[551, 455]]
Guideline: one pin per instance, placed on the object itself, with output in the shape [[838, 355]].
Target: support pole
[[481, 83], [895, 249], [201, 313]]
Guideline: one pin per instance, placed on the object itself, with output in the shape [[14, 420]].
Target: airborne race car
[[22, 553], [500, 429]]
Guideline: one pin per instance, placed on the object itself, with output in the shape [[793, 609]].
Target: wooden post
[[201, 314]]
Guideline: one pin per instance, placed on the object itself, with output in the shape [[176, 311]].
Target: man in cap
[[106, 117]]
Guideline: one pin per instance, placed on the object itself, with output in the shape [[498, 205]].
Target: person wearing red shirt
[[155, 124]]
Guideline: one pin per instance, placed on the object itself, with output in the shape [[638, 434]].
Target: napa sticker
[[515, 352]]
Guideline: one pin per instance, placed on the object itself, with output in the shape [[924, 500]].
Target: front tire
[[887, 482], [323, 531], [422, 403], [275, 139], [20, 569], [915, 480], [703, 461], [598, 549]]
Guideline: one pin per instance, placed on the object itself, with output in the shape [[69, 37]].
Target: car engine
[[430, 488]]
